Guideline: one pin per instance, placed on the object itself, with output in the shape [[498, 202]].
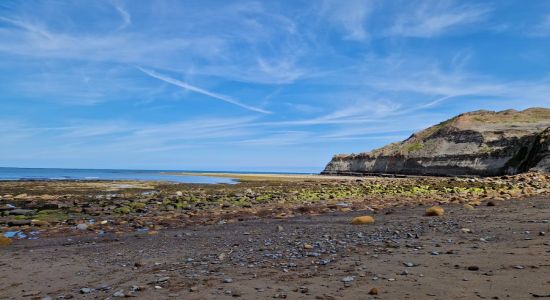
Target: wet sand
[[404, 255]]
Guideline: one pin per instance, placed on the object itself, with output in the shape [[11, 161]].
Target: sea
[[108, 174]]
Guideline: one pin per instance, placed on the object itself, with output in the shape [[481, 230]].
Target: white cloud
[[195, 89], [433, 18], [124, 15], [542, 29], [350, 15]]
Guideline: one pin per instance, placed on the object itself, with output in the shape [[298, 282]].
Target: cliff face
[[481, 143]]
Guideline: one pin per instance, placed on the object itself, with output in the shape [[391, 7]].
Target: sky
[[254, 85]]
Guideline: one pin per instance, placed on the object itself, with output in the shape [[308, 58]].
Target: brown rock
[[362, 220], [373, 291], [4, 241], [435, 211]]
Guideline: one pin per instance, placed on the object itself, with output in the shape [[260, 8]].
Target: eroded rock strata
[[483, 143]]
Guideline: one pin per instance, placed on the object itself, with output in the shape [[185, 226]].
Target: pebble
[[373, 291], [228, 280], [348, 279], [82, 226], [86, 290], [119, 294], [409, 264], [519, 267], [362, 220], [435, 211], [473, 268]]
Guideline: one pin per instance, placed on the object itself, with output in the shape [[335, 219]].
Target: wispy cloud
[[351, 15], [542, 29], [432, 18], [195, 89], [124, 15]]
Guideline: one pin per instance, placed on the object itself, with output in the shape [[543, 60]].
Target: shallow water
[[103, 174]]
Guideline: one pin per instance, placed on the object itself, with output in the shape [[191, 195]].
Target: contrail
[[201, 91]]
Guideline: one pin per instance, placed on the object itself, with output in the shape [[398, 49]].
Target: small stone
[[31, 293], [4, 241], [308, 246], [542, 233], [119, 294], [409, 264], [362, 220], [466, 230], [348, 279], [373, 291], [228, 280], [519, 267], [86, 290], [473, 268], [82, 226], [194, 289], [468, 206], [491, 203], [435, 211], [163, 279], [280, 228]]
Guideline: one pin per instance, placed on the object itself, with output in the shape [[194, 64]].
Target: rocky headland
[[479, 143]]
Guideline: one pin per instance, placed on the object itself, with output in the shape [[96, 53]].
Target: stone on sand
[[4, 241], [435, 211], [362, 220]]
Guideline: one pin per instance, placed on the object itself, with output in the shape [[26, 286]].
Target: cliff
[[484, 143]]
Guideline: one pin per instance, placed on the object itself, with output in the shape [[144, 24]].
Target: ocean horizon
[[18, 173]]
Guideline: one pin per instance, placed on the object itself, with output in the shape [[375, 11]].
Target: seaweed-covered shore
[[85, 207]]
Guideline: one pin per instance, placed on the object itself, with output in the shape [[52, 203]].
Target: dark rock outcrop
[[482, 143]]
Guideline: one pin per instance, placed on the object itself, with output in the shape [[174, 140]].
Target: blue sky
[[253, 85]]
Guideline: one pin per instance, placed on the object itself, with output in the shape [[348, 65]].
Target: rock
[[308, 246], [362, 220], [40, 223], [409, 264], [227, 280], [163, 279], [473, 268], [373, 291], [435, 211], [519, 267], [348, 279], [4, 241], [468, 206], [86, 290], [22, 212], [194, 289], [82, 226], [119, 294], [31, 293], [466, 230], [542, 233], [491, 203], [19, 222]]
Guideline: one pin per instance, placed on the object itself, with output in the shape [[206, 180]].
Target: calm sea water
[[103, 174]]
